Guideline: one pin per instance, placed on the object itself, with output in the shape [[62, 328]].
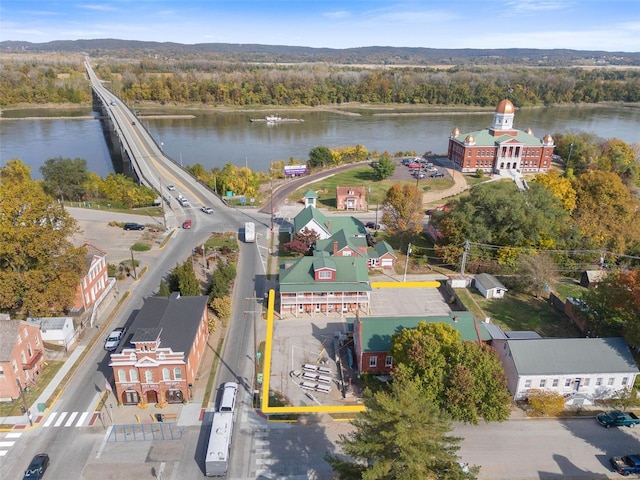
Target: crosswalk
[[7, 441], [69, 419]]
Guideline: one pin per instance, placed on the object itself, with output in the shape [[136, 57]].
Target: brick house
[[22, 356], [159, 357], [323, 285], [351, 198], [380, 255], [501, 148], [95, 281], [372, 336]]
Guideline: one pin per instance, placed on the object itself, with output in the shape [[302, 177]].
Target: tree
[[222, 307], [536, 272], [401, 435], [303, 241], [614, 307], [403, 212], [465, 379], [40, 269], [320, 157], [183, 279], [606, 212], [65, 178], [560, 187], [618, 157], [546, 402], [384, 167], [163, 289]]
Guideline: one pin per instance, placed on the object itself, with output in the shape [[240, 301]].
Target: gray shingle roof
[[8, 335], [559, 356], [179, 319]]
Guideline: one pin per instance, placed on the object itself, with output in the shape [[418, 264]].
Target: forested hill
[[377, 55]]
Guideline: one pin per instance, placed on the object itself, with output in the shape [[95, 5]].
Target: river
[[214, 138]]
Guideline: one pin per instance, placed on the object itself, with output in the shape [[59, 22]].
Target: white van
[[228, 400]]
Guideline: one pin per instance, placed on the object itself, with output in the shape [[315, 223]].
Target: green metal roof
[[484, 139], [559, 356], [377, 331], [351, 225], [310, 194], [382, 248], [351, 275], [355, 242]]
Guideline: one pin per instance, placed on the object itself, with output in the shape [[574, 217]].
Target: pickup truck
[[626, 465], [617, 418]]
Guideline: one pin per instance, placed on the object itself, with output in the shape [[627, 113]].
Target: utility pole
[[464, 256], [133, 265], [271, 198], [406, 264], [24, 402], [164, 218]]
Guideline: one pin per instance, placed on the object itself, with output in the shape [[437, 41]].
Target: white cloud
[[100, 8], [337, 15]]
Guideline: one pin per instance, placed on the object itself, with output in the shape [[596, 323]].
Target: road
[[71, 449]]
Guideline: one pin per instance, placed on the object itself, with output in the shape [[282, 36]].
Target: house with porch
[[372, 336], [581, 369], [313, 219], [323, 285], [22, 356], [159, 357], [351, 198]]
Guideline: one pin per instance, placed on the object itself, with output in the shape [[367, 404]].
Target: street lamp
[[570, 150]]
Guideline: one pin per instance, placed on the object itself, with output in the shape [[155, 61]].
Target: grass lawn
[[219, 240], [518, 311], [46, 375], [362, 176], [568, 287]]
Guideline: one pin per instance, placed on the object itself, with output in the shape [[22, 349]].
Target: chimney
[[455, 319], [335, 247]]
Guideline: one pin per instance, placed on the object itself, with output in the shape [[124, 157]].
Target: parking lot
[[318, 341]]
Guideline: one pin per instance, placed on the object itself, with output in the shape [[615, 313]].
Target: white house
[[56, 330], [489, 286], [581, 369]]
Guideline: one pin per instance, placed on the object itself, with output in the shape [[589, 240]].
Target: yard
[[518, 311]]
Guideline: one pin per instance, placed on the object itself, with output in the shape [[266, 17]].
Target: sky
[[608, 25]]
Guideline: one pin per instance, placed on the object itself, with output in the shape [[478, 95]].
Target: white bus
[[249, 232], [216, 462]]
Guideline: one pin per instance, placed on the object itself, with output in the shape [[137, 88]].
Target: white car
[[208, 210], [114, 338], [171, 187]]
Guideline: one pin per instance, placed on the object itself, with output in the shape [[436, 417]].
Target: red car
[[186, 224], [413, 165]]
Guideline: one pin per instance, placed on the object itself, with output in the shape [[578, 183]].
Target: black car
[[437, 175], [133, 226], [37, 467], [373, 226]]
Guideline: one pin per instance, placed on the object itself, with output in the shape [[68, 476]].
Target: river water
[[216, 138]]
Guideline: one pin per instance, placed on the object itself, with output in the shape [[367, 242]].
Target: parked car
[[626, 465], [208, 210], [186, 224], [617, 418], [171, 187], [37, 467], [114, 338], [406, 161], [420, 175], [437, 175], [133, 226], [373, 225], [413, 165]]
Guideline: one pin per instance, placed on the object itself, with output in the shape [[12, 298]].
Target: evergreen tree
[[163, 289], [401, 435]]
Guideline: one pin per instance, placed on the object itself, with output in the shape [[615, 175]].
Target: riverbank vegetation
[[41, 79]]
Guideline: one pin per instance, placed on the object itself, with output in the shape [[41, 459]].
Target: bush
[[479, 173], [545, 402]]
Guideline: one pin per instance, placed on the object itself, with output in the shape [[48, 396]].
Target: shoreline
[[350, 109]]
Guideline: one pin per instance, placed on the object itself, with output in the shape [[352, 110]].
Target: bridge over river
[[149, 164]]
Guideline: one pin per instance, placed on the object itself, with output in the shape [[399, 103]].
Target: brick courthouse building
[[501, 149]]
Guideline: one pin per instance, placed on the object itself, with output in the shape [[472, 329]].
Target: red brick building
[[159, 357], [21, 356], [95, 280], [501, 148], [351, 198]]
